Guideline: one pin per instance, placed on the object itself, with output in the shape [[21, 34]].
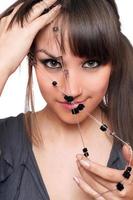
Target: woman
[[83, 65]]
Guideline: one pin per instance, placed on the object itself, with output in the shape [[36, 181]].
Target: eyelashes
[[54, 64], [91, 64], [51, 63]]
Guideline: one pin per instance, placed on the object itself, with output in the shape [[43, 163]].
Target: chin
[[67, 117], [73, 119]]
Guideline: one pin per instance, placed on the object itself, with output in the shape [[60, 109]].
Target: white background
[[13, 96]]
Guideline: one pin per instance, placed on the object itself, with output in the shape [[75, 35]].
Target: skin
[[94, 177], [89, 87]]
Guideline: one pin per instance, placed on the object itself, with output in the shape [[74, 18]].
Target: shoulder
[[13, 154], [11, 129], [12, 138], [10, 125]]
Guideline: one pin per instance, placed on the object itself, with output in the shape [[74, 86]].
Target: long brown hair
[[94, 32]]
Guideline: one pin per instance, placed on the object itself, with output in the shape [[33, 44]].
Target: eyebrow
[[49, 54]]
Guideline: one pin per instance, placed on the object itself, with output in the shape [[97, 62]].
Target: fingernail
[[76, 179], [79, 156], [85, 163]]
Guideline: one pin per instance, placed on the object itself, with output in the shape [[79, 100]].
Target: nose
[[72, 84]]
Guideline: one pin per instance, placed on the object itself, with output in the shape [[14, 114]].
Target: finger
[[86, 188], [10, 17], [128, 192], [92, 180], [38, 9], [109, 174], [103, 188], [3, 23], [44, 20]]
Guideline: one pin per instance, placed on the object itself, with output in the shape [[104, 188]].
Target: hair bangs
[[92, 30]]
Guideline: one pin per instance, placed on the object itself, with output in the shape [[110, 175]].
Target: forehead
[[78, 36], [52, 37]]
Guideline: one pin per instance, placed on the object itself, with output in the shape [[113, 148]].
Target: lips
[[74, 102], [70, 106]]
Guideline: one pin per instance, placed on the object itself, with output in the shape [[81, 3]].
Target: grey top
[[20, 178]]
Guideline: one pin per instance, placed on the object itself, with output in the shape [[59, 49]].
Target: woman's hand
[[16, 41], [100, 182]]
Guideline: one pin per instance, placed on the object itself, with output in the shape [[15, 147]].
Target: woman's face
[[84, 79]]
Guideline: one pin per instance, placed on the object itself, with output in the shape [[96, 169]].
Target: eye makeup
[[51, 63], [44, 51], [91, 64], [55, 62]]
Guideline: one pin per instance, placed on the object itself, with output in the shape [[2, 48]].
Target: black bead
[[81, 106], [119, 186], [76, 110], [126, 174], [103, 127], [68, 98], [85, 150], [129, 169], [86, 154], [73, 112], [54, 83]]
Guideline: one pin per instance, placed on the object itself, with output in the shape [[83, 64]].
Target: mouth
[[72, 105]]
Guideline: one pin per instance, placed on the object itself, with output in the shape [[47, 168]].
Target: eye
[[91, 64], [51, 63]]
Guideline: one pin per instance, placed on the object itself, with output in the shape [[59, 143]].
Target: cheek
[[45, 86], [98, 83], [99, 86]]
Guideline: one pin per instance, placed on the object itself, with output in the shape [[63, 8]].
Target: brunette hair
[[94, 32]]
